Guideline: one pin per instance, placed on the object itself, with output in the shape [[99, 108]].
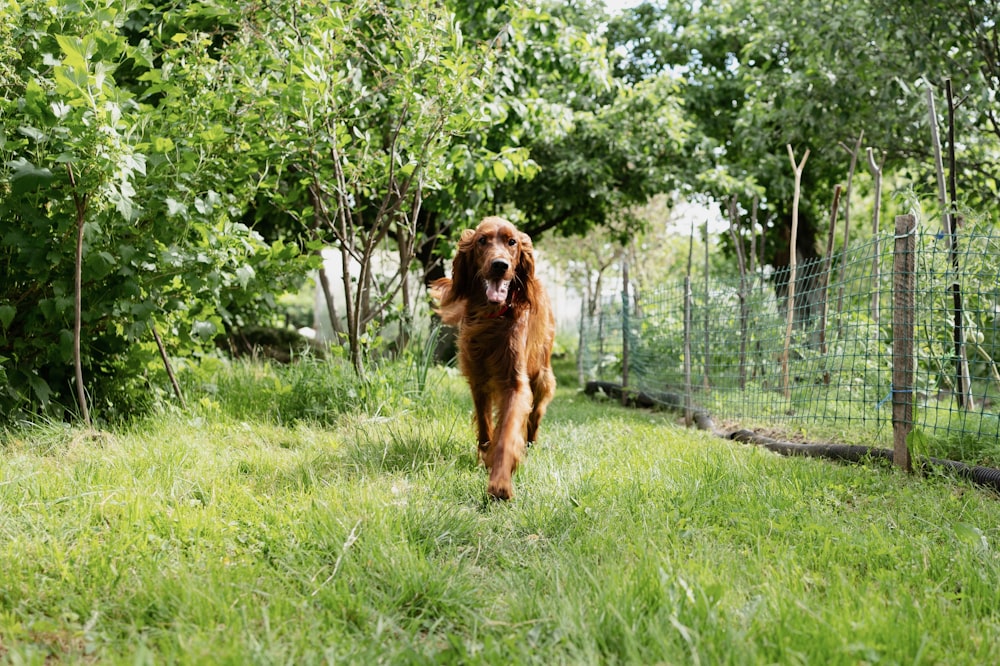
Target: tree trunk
[[876, 170], [792, 252], [331, 306], [80, 202]]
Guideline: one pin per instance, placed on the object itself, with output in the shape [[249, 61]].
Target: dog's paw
[[500, 486]]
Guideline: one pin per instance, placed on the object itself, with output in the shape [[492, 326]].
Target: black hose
[[648, 399], [842, 452], [984, 476]]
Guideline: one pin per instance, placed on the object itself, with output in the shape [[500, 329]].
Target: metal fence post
[[581, 364], [625, 332], [904, 304], [687, 351]]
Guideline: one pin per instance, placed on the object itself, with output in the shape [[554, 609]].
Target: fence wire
[[838, 369]]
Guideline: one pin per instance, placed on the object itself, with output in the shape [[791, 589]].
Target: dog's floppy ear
[[525, 270], [526, 259], [463, 267]]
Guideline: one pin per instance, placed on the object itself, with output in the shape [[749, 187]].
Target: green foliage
[[364, 104], [760, 76], [600, 145], [162, 241]]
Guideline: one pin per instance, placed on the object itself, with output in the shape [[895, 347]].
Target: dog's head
[[494, 257]]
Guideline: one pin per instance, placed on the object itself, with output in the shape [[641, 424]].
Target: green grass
[[254, 528]]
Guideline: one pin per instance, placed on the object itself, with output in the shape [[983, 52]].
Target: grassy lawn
[[264, 525]]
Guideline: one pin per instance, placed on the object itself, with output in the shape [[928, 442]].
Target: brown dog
[[505, 334]]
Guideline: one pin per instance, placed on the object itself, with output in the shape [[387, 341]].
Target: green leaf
[[71, 81], [163, 144], [7, 313], [35, 135], [142, 54], [73, 50], [27, 177], [203, 331], [244, 274], [36, 102], [175, 208], [40, 388], [972, 536], [499, 170]]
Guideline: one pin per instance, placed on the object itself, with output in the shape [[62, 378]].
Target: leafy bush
[[144, 183]]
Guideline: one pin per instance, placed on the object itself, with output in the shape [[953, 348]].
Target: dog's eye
[[512, 242], [482, 240]]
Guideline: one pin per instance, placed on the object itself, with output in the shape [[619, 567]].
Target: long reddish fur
[[504, 350]]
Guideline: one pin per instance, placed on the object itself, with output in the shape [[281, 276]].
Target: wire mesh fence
[[829, 360]]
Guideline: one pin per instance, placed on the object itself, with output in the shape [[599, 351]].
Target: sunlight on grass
[[225, 534]]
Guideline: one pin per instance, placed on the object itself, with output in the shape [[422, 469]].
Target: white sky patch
[[697, 213]]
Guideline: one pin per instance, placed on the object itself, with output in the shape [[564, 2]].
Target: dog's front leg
[[508, 444], [483, 406]]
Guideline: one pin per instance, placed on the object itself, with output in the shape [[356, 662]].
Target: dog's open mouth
[[496, 290]]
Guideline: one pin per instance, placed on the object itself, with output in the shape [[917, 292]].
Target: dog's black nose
[[499, 267]]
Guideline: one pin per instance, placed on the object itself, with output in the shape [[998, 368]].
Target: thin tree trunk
[[80, 202], [331, 306], [847, 226], [962, 389], [792, 259], [742, 295], [708, 354], [581, 376], [939, 168], [345, 239], [625, 331], [406, 246], [847, 190], [964, 385], [763, 236], [827, 268], [166, 364], [876, 170], [688, 331], [756, 248]]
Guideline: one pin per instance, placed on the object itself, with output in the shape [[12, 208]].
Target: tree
[[761, 76], [363, 104], [144, 188], [596, 146]]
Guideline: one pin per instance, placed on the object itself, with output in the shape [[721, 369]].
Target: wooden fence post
[[904, 283]]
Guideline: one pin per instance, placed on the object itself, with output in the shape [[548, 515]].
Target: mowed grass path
[[234, 535]]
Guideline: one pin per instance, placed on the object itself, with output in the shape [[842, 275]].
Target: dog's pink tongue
[[496, 290]]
